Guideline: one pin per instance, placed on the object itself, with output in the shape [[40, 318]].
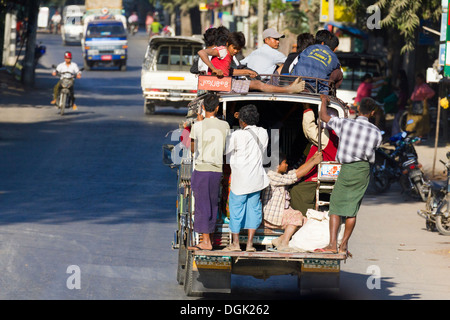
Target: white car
[[72, 29], [166, 79]]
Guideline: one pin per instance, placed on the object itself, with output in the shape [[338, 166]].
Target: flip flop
[[286, 249], [231, 249], [347, 253], [250, 250], [195, 248]]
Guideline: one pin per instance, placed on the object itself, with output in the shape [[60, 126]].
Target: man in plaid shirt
[[275, 199], [358, 139]]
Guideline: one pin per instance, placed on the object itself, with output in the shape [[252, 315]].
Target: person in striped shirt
[[278, 214], [358, 139]]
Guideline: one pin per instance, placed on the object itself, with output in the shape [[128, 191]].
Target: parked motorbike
[[400, 164], [65, 98], [39, 51], [437, 207]]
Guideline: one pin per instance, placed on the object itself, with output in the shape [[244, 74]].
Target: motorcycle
[[437, 207], [133, 28], [39, 51], [65, 98], [400, 164]]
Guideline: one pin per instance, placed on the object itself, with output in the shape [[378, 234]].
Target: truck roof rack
[[312, 85]]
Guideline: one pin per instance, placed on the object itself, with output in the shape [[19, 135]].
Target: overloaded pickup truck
[[205, 271]]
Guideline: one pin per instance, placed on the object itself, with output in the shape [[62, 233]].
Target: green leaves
[[401, 16]]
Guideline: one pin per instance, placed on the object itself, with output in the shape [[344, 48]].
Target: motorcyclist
[[66, 66], [56, 21], [133, 21]]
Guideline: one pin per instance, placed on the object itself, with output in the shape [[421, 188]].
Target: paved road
[[86, 195], [87, 189]]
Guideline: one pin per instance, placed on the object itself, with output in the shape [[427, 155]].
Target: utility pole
[[330, 10], [28, 66], [260, 22]]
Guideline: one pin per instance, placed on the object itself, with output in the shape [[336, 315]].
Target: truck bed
[[269, 255], [263, 242]]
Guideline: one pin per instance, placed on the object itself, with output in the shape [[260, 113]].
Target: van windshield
[[106, 31], [74, 20]]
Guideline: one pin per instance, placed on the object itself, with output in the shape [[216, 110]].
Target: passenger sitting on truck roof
[[275, 199], [319, 61], [220, 66], [267, 59]]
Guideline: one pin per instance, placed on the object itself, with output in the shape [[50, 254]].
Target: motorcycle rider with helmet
[[66, 66]]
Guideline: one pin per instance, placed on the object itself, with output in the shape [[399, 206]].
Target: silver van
[[166, 79], [72, 24]]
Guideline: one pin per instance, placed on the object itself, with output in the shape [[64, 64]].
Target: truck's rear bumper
[[170, 96], [271, 255], [106, 58]]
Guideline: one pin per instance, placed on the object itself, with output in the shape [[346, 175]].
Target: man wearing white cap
[[266, 59]]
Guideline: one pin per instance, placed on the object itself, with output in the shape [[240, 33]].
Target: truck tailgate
[[168, 80], [265, 255]]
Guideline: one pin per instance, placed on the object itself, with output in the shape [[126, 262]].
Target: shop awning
[[349, 30]]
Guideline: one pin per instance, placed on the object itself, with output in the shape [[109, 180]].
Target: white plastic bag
[[315, 233]]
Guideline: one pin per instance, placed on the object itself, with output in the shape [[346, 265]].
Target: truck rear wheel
[[189, 277], [311, 283], [182, 254], [149, 107], [87, 65]]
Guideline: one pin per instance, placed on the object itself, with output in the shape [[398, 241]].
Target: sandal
[[347, 253], [231, 249], [197, 247]]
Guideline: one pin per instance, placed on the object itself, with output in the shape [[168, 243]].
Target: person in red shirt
[[366, 87], [221, 62], [303, 193]]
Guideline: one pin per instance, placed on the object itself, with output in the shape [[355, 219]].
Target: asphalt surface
[[88, 190]]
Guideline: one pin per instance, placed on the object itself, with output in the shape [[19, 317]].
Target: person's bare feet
[[201, 246], [327, 249], [232, 247], [297, 86]]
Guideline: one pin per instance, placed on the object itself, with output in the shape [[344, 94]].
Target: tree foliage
[[403, 16], [170, 5]]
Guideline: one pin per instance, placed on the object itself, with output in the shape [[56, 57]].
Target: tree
[[402, 16], [184, 6]]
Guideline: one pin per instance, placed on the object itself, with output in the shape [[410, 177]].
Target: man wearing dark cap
[[267, 58]]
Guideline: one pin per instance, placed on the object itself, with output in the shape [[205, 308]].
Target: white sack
[[315, 233]]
